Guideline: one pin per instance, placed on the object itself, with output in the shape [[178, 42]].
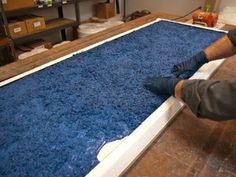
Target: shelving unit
[[55, 25], [58, 24], [6, 46], [13, 13]]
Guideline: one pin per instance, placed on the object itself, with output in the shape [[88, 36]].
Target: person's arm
[[207, 99], [222, 48], [212, 99]]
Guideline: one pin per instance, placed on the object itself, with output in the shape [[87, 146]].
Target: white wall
[[224, 3], [178, 7]]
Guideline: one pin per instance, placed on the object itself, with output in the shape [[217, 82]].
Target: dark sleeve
[[232, 36], [211, 99]]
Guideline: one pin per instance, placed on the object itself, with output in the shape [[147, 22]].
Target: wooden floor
[[188, 147]]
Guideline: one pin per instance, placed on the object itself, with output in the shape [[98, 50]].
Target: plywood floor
[[188, 147]]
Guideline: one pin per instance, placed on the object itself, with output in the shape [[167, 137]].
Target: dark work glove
[[189, 67], [161, 85]]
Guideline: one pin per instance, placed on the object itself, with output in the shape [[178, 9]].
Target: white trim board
[[131, 147]]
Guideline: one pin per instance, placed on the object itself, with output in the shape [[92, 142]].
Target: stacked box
[[17, 28], [33, 23], [105, 10]]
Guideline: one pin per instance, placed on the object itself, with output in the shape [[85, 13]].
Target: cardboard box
[[105, 10], [16, 4], [17, 29], [33, 23]]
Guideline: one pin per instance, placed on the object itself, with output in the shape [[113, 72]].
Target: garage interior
[[187, 146]]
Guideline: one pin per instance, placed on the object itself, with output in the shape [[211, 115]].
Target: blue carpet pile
[[54, 122]]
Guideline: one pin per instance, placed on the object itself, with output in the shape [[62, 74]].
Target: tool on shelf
[[208, 19]]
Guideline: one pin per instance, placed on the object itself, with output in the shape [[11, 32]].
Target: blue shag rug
[[54, 122]]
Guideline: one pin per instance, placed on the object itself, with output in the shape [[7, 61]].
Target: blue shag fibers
[[53, 122]]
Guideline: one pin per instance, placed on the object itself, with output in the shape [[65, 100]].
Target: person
[[213, 99]]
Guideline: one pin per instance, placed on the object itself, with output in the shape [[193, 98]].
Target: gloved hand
[[161, 85], [189, 67]]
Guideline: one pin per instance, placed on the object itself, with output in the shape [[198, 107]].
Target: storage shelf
[[52, 25], [56, 25], [16, 12]]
